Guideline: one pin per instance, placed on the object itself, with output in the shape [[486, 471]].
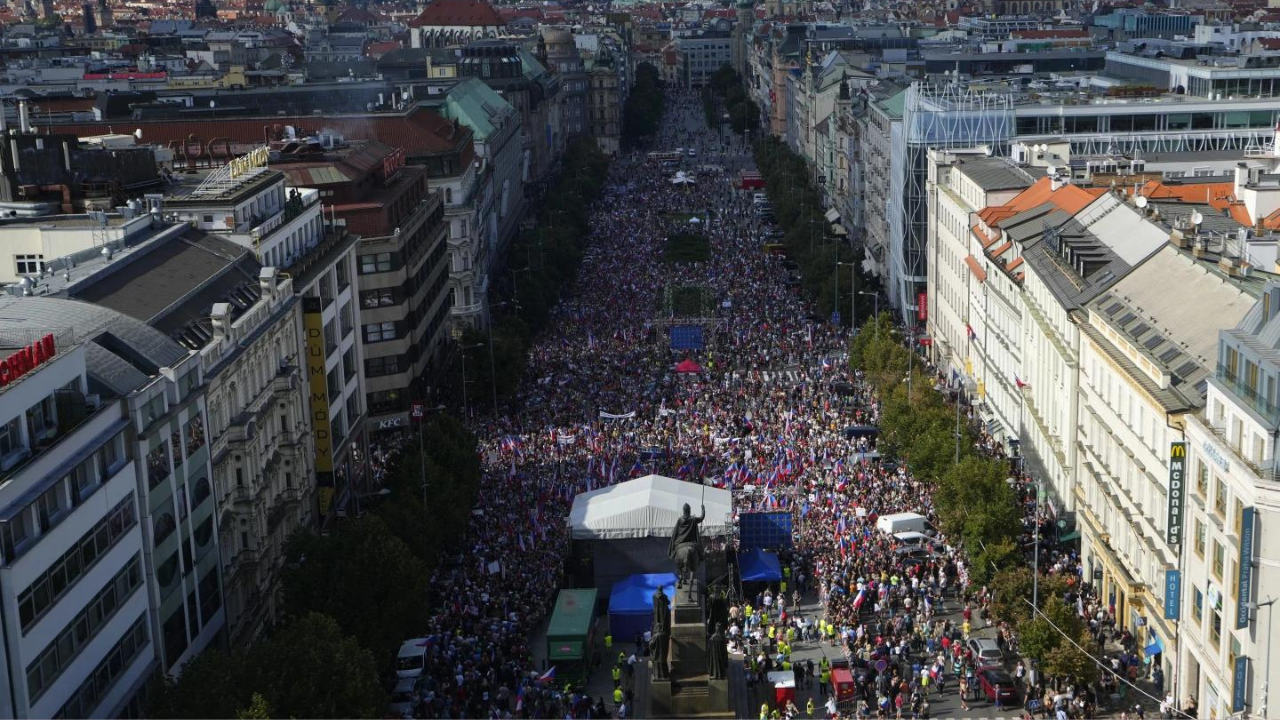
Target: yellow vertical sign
[[317, 383]]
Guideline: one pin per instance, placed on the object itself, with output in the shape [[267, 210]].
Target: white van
[[759, 198], [901, 523], [412, 658]]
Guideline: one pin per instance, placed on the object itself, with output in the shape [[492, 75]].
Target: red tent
[[688, 366]]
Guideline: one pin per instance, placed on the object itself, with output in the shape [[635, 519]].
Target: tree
[[364, 577], [213, 684], [1068, 662], [311, 669], [258, 709]]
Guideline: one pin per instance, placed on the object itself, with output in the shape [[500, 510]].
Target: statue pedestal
[[689, 691]]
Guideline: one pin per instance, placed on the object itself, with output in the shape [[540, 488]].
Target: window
[[375, 263], [377, 298], [377, 367], [193, 434], [55, 658], [1220, 498], [1199, 538], [158, 464], [1202, 480], [84, 700], [10, 437], [49, 507], [1219, 557], [379, 332], [1215, 627], [28, 264], [66, 570], [111, 456], [1197, 605]]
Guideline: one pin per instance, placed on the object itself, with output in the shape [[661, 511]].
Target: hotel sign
[[243, 164], [1177, 492], [26, 358], [1245, 585]]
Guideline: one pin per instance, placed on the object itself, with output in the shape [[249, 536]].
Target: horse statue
[[686, 546]]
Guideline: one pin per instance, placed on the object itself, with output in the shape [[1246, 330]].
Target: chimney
[[24, 117], [221, 318]]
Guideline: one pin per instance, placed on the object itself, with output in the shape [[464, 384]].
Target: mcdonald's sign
[[1177, 492]]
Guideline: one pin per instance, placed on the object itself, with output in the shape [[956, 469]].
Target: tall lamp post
[[876, 296], [853, 296], [493, 367], [1266, 667], [457, 335]]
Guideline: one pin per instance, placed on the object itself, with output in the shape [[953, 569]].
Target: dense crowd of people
[[764, 415]]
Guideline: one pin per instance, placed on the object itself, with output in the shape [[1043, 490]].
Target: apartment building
[[1145, 354], [1230, 562], [403, 267], [108, 532], [212, 297], [975, 316], [283, 227]]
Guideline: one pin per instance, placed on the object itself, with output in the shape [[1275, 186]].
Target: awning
[[1070, 537], [832, 215], [1155, 648]]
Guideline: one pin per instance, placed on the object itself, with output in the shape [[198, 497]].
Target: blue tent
[[759, 565], [631, 604]]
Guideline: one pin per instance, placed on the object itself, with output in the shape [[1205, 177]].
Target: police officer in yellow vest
[[617, 696], [608, 642], [824, 679], [617, 676]]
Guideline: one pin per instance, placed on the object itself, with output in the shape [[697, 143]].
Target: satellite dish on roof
[[1141, 202], [1050, 170], [1196, 218]]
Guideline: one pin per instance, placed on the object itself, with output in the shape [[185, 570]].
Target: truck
[[571, 634], [902, 522]]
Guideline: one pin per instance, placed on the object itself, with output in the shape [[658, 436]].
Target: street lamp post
[[457, 335], [422, 450], [1266, 667], [876, 297], [1035, 558], [853, 296]]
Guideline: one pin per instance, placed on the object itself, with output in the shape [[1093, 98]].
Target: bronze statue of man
[[717, 654], [661, 611], [658, 649], [686, 546]]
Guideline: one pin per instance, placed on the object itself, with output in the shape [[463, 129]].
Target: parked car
[[405, 697], [693, 152], [992, 677], [985, 651]]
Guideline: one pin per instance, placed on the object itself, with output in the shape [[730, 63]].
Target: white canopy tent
[[647, 507]]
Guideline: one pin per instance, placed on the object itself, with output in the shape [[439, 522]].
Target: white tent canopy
[[647, 507]]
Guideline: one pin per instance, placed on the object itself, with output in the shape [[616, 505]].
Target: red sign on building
[[22, 361], [922, 306]]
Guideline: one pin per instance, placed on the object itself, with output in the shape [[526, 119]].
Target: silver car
[[986, 652]]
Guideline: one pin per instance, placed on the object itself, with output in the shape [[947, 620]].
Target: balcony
[[1248, 396]]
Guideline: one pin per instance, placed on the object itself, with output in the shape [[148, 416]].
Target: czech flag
[[857, 601], [548, 676]]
